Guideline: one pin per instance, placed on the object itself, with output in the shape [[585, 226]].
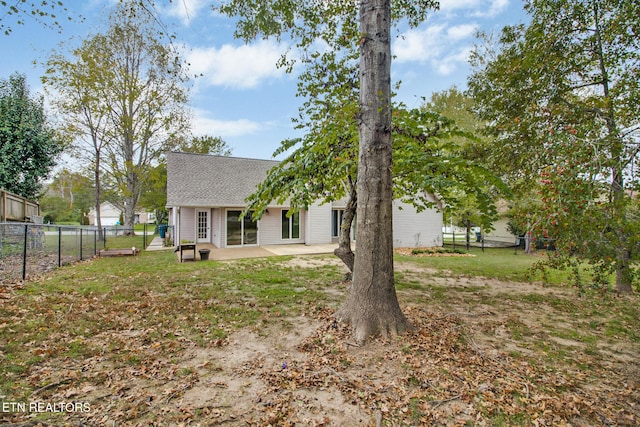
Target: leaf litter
[[456, 367]]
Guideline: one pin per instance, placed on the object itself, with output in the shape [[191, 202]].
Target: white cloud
[[243, 67], [478, 8], [203, 125], [497, 7], [453, 5], [450, 63], [445, 48], [461, 32], [419, 45]]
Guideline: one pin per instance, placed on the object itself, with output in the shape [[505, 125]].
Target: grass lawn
[[150, 341]]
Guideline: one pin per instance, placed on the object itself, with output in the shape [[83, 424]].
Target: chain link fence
[[28, 250], [477, 240]]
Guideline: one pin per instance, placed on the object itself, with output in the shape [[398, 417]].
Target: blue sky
[[242, 96]]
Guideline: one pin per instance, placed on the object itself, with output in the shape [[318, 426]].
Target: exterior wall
[[144, 217], [319, 224], [270, 229], [109, 214], [172, 221], [412, 229], [216, 224], [500, 232], [187, 220]]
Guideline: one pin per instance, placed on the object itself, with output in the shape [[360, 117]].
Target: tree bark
[[623, 258], [98, 196], [372, 306], [343, 251]]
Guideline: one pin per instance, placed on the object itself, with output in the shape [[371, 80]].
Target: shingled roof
[[199, 180]]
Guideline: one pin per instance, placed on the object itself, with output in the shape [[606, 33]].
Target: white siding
[[109, 220], [270, 228], [109, 214], [319, 220], [501, 232], [187, 225], [412, 229], [216, 224]]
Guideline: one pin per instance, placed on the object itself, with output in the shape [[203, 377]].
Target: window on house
[[336, 222], [290, 225]]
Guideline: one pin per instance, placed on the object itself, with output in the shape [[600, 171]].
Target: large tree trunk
[[372, 305], [129, 215], [623, 259]]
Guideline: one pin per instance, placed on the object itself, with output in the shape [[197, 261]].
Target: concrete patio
[[221, 254]]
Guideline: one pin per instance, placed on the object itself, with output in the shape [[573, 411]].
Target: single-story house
[[206, 196], [110, 215]]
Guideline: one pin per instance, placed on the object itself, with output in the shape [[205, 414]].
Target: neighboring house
[[144, 217], [206, 196], [110, 215], [501, 233]]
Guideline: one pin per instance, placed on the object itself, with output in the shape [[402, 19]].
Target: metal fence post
[[24, 252], [81, 244], [59, 246]]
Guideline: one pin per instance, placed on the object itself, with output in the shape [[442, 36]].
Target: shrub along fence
[[28, 249]]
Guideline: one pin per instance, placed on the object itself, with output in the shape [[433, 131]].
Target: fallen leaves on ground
[[140, 368]]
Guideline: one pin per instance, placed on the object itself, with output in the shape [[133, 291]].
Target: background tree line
[[121, 100]]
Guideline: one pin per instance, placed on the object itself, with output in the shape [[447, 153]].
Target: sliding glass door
[[241, 231]]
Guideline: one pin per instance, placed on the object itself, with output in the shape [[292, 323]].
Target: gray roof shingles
[[199, 180]]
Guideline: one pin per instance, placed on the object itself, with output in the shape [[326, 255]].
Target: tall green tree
[[29, 146], [562, 95], [79, 86], [130, 91], [204, 144], [372, 306], [477, 187], [154, 196], [68, 198], [148, 100]]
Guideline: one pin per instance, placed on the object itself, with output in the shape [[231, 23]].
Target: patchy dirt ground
[[38, 263], [482, 357]]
